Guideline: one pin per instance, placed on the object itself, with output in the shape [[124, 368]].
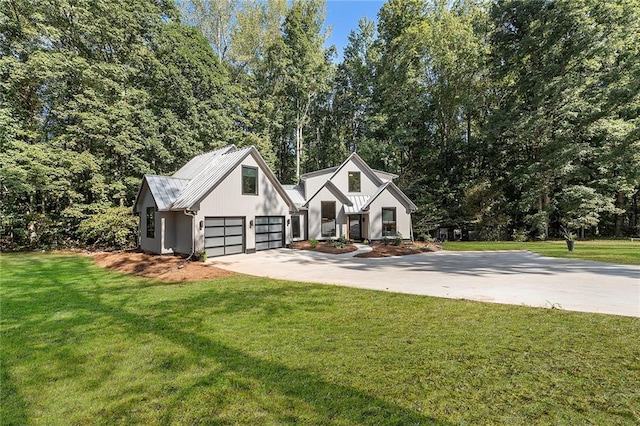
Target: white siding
[[315, 215], [183, 229], [341, 180], [227, 200], [312, 184], [148, 244], [403, 219]]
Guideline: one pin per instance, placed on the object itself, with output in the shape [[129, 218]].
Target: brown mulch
[[161, 267], [381, 250], [324, 248]]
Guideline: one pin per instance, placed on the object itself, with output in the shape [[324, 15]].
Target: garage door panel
[[233, 230], [212, 252], [214, 242], [223, 236], [213, 232], [233, 221], [231, 241], [269, 232]]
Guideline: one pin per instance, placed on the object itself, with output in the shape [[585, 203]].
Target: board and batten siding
[[227, 200], [403, 219], [341, 180], [315, 215], [164, 234]]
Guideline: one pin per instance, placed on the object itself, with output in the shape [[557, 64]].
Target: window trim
[[354, 173], [395, 222], [335, 217], [151, 222], [243, 177]]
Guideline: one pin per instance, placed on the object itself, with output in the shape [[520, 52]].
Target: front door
[[355, 227]]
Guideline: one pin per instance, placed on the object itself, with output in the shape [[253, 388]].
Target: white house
[[228, 201], [351, 200]]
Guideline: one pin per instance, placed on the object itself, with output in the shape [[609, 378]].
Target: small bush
[[519, 235], [339, 244], [313, 243], [385, 241], [366, 242], [398, 240]]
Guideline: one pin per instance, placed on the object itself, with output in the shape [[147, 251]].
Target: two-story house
[[228, 201]]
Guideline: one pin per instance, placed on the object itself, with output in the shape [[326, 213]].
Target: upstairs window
[[354, 181], [388, 221], [151, 222], [249, 180]]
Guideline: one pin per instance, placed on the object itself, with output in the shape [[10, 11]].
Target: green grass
[[83, 345], [611, 251]]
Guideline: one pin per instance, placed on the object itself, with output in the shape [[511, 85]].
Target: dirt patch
[[164, 268], [389, 250], [324, 248]]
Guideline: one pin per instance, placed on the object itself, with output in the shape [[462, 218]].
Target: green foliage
[[398, 239], [110, 228], [313, 243]]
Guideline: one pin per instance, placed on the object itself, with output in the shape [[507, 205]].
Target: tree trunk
[[619, 216]]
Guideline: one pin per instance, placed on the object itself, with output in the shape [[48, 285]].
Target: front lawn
[[84, 345], [612, 251]]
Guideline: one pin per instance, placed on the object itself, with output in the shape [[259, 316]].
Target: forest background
[[513, 119]]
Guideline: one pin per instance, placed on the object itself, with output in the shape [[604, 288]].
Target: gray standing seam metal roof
[[165, 189], [358, 201], [295, 193], [197, 163], [212, 173]]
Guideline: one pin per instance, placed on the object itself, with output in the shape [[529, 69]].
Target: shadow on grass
[[71, 284]]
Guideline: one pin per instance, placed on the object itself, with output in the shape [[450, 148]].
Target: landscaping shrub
[[112, 228], [313, 243]]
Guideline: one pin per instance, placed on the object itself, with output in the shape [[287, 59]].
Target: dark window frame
[[151, 222], [255, 192], [295, 226], [387, 225], [359, 186], [327, 219]]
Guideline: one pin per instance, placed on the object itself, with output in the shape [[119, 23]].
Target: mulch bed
[[389, 250], [161, 267], [324, 248]]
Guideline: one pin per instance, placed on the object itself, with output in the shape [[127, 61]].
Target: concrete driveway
[[517, 278]]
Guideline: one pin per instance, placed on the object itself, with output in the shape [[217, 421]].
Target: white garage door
[[269, 232], [223, 235]]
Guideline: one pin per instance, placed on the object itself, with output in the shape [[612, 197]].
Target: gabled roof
[[206, 172], [364, 167], [334, 190], [328, 170], [406, 202]]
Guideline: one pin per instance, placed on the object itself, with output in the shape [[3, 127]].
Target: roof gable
[[334, 190], [216, 171], [396, 192], [364, 168], [163, 189]]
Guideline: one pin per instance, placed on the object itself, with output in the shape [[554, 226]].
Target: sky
[[343, 16]]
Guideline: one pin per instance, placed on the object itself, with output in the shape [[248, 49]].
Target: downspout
[[193, 232]]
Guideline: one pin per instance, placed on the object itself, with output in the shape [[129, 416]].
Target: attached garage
[[269, 232], [223, 235]]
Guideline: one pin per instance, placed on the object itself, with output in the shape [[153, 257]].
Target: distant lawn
[[82, 345], [612, 251]]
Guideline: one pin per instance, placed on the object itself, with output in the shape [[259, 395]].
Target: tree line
[[509, 118]]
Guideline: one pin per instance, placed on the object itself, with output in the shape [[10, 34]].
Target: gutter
[[193, 232]]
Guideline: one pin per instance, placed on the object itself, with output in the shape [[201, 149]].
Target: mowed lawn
[[612, 251], [83, 345]]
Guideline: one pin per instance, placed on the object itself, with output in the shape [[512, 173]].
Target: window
[[388, 221], [295, 226], [151, 222], [249, 180], [354, 181], [328, 211]]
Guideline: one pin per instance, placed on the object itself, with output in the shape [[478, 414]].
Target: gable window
[[328, 212], [249, 180], [354, 181], [295, 226], [151, 222], [388, 221]]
